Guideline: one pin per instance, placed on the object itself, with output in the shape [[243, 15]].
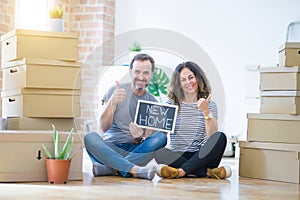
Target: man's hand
[[119, 94], [136, 131], [107, 115]]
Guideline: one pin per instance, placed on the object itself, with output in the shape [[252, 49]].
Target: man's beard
[[140, 89]]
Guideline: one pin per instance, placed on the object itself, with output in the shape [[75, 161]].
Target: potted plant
[[58, 163], [56, 13], [56, 21], [134, 48]]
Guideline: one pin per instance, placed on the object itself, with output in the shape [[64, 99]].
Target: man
[[124, 146]]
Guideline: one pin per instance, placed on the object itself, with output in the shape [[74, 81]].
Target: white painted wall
[[234, 33]]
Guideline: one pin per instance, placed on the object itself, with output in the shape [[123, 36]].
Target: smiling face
[[141, 74], [188, 82]]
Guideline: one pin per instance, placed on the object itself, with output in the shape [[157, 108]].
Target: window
[[31, 14]]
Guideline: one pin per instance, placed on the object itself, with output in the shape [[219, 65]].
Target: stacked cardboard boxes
[[272, 149], [41, 86], [41, 79]]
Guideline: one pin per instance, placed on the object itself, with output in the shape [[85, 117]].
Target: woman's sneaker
[[166, 171], [220, 172]]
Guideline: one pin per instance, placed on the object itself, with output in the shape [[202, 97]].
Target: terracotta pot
[[58, 171]]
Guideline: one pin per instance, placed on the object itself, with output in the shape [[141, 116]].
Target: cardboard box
[[18, 44], [289, 54], [273, 128], [280, 78], [41, 73], [280, 102], [44, 103], [24, 123], [23, 158], [270, 161]]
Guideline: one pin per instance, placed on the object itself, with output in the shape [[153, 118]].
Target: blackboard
[[156, 116]]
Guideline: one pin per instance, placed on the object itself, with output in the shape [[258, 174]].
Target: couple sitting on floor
[[196, 147]]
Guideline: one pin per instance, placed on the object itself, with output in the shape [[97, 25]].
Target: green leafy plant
[[56, 12], [58, 152], [159, 82], [135, 46]]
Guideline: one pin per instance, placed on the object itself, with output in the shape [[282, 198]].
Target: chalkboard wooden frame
[[168, 111]]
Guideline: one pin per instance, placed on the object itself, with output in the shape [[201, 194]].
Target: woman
[[196, 146]]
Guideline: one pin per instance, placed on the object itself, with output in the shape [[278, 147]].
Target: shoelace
[[216, 176]]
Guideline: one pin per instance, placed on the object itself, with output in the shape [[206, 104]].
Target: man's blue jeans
[[123, 157]]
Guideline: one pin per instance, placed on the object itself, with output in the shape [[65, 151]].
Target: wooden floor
[[132, 188]]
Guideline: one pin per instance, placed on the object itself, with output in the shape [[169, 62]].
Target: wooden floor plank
[[115, 187]]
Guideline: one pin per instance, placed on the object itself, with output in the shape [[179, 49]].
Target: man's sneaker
[[220, 172], [147, 172], [166, 171], [102, 170]]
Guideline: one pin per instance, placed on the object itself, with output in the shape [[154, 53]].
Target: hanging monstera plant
[[159, 83]]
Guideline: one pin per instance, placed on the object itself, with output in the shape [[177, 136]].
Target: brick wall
[[6, 15], [94, 21]]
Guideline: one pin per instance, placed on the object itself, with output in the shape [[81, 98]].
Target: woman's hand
[[202, 104]]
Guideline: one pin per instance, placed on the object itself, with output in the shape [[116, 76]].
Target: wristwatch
[[207, 117]]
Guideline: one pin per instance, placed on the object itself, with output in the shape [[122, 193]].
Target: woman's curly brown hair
[[176, 93]]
